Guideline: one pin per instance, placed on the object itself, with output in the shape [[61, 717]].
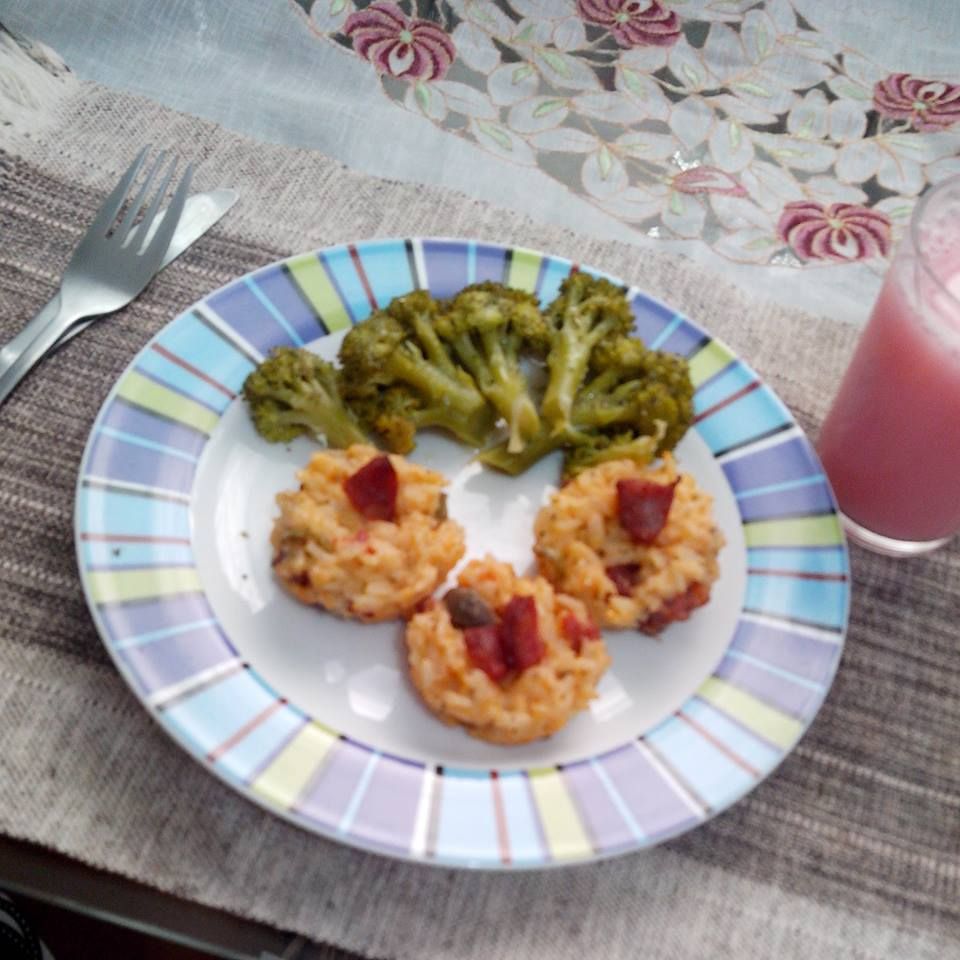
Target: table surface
[[729, 147]]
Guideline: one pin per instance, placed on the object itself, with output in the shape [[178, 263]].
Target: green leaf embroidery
[[676, 204], [476, 11], [763, 40], [734, 134], [785, 153], [912, 144], [526, 34], [632, 80], [844, 88], [605, 162], [337, 6], [797, 41], [495, 133], [759, 243], [748, 86], [633, 145], [547, 107], [521, 73], [805, 129], [555, 62], [423, 96], [691, 75]]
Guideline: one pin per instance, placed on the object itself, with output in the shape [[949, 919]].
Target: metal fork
[[107, 269]]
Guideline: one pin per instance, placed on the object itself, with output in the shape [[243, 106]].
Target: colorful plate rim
[[133, 539]]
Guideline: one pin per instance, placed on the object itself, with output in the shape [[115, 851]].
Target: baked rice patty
[[579, 539], [524, 706], [327, 553]]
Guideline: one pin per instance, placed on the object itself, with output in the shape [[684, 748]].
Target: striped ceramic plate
[[314, 718]]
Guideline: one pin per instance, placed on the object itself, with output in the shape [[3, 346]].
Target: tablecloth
[[851, 849], [685, 124]]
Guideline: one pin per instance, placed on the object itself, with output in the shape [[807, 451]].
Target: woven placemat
[[851, 849]]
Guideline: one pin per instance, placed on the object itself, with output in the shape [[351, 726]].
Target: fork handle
[[13, 348], [32, 343]]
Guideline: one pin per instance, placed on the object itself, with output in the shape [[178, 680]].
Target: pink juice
[[891, 442]]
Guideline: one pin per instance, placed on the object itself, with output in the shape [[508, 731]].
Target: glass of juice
[[891, 441]]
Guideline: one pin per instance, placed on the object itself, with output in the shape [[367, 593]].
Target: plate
[[315, 719]]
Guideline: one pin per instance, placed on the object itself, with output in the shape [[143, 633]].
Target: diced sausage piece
[[483, 646], [676, 608], [576, 631], [624, 577], [467, 608], [642, 507], [520, 634], [373, 489]]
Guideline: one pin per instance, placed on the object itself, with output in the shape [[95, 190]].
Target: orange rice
[[328, 554], [526, 706], [578, 536]]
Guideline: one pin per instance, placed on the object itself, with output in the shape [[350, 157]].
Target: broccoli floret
[[501, 458], [587, 311], [619, 353], [389, 413], [633, 386], [583, 448], [602, 448], [397, 414], [295, 392], [635, 403], [398, 376], [489, 326]]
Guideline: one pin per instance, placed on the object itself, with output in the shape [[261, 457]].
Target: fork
[[107, 270]]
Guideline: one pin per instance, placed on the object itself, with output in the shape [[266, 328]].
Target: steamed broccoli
[[396, 414], [390, 414], [601, 448], [501, 458], [584, 447], [588, 310], [295, 392], [398, 376], [636, 387], [633, 404], [489, 326]]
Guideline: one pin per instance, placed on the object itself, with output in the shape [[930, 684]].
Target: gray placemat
[[851, 849]]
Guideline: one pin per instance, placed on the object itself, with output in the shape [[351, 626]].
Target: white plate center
[[352, 677]]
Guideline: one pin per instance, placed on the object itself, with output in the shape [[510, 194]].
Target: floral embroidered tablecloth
[[759, 135], [730, 121]]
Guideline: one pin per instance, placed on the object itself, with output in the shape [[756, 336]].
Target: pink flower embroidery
[[633, 23], [929, 105], [842, 232], [707, 180], [402, 46]]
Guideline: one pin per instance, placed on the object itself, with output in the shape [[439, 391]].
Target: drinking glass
[[891, 441]]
